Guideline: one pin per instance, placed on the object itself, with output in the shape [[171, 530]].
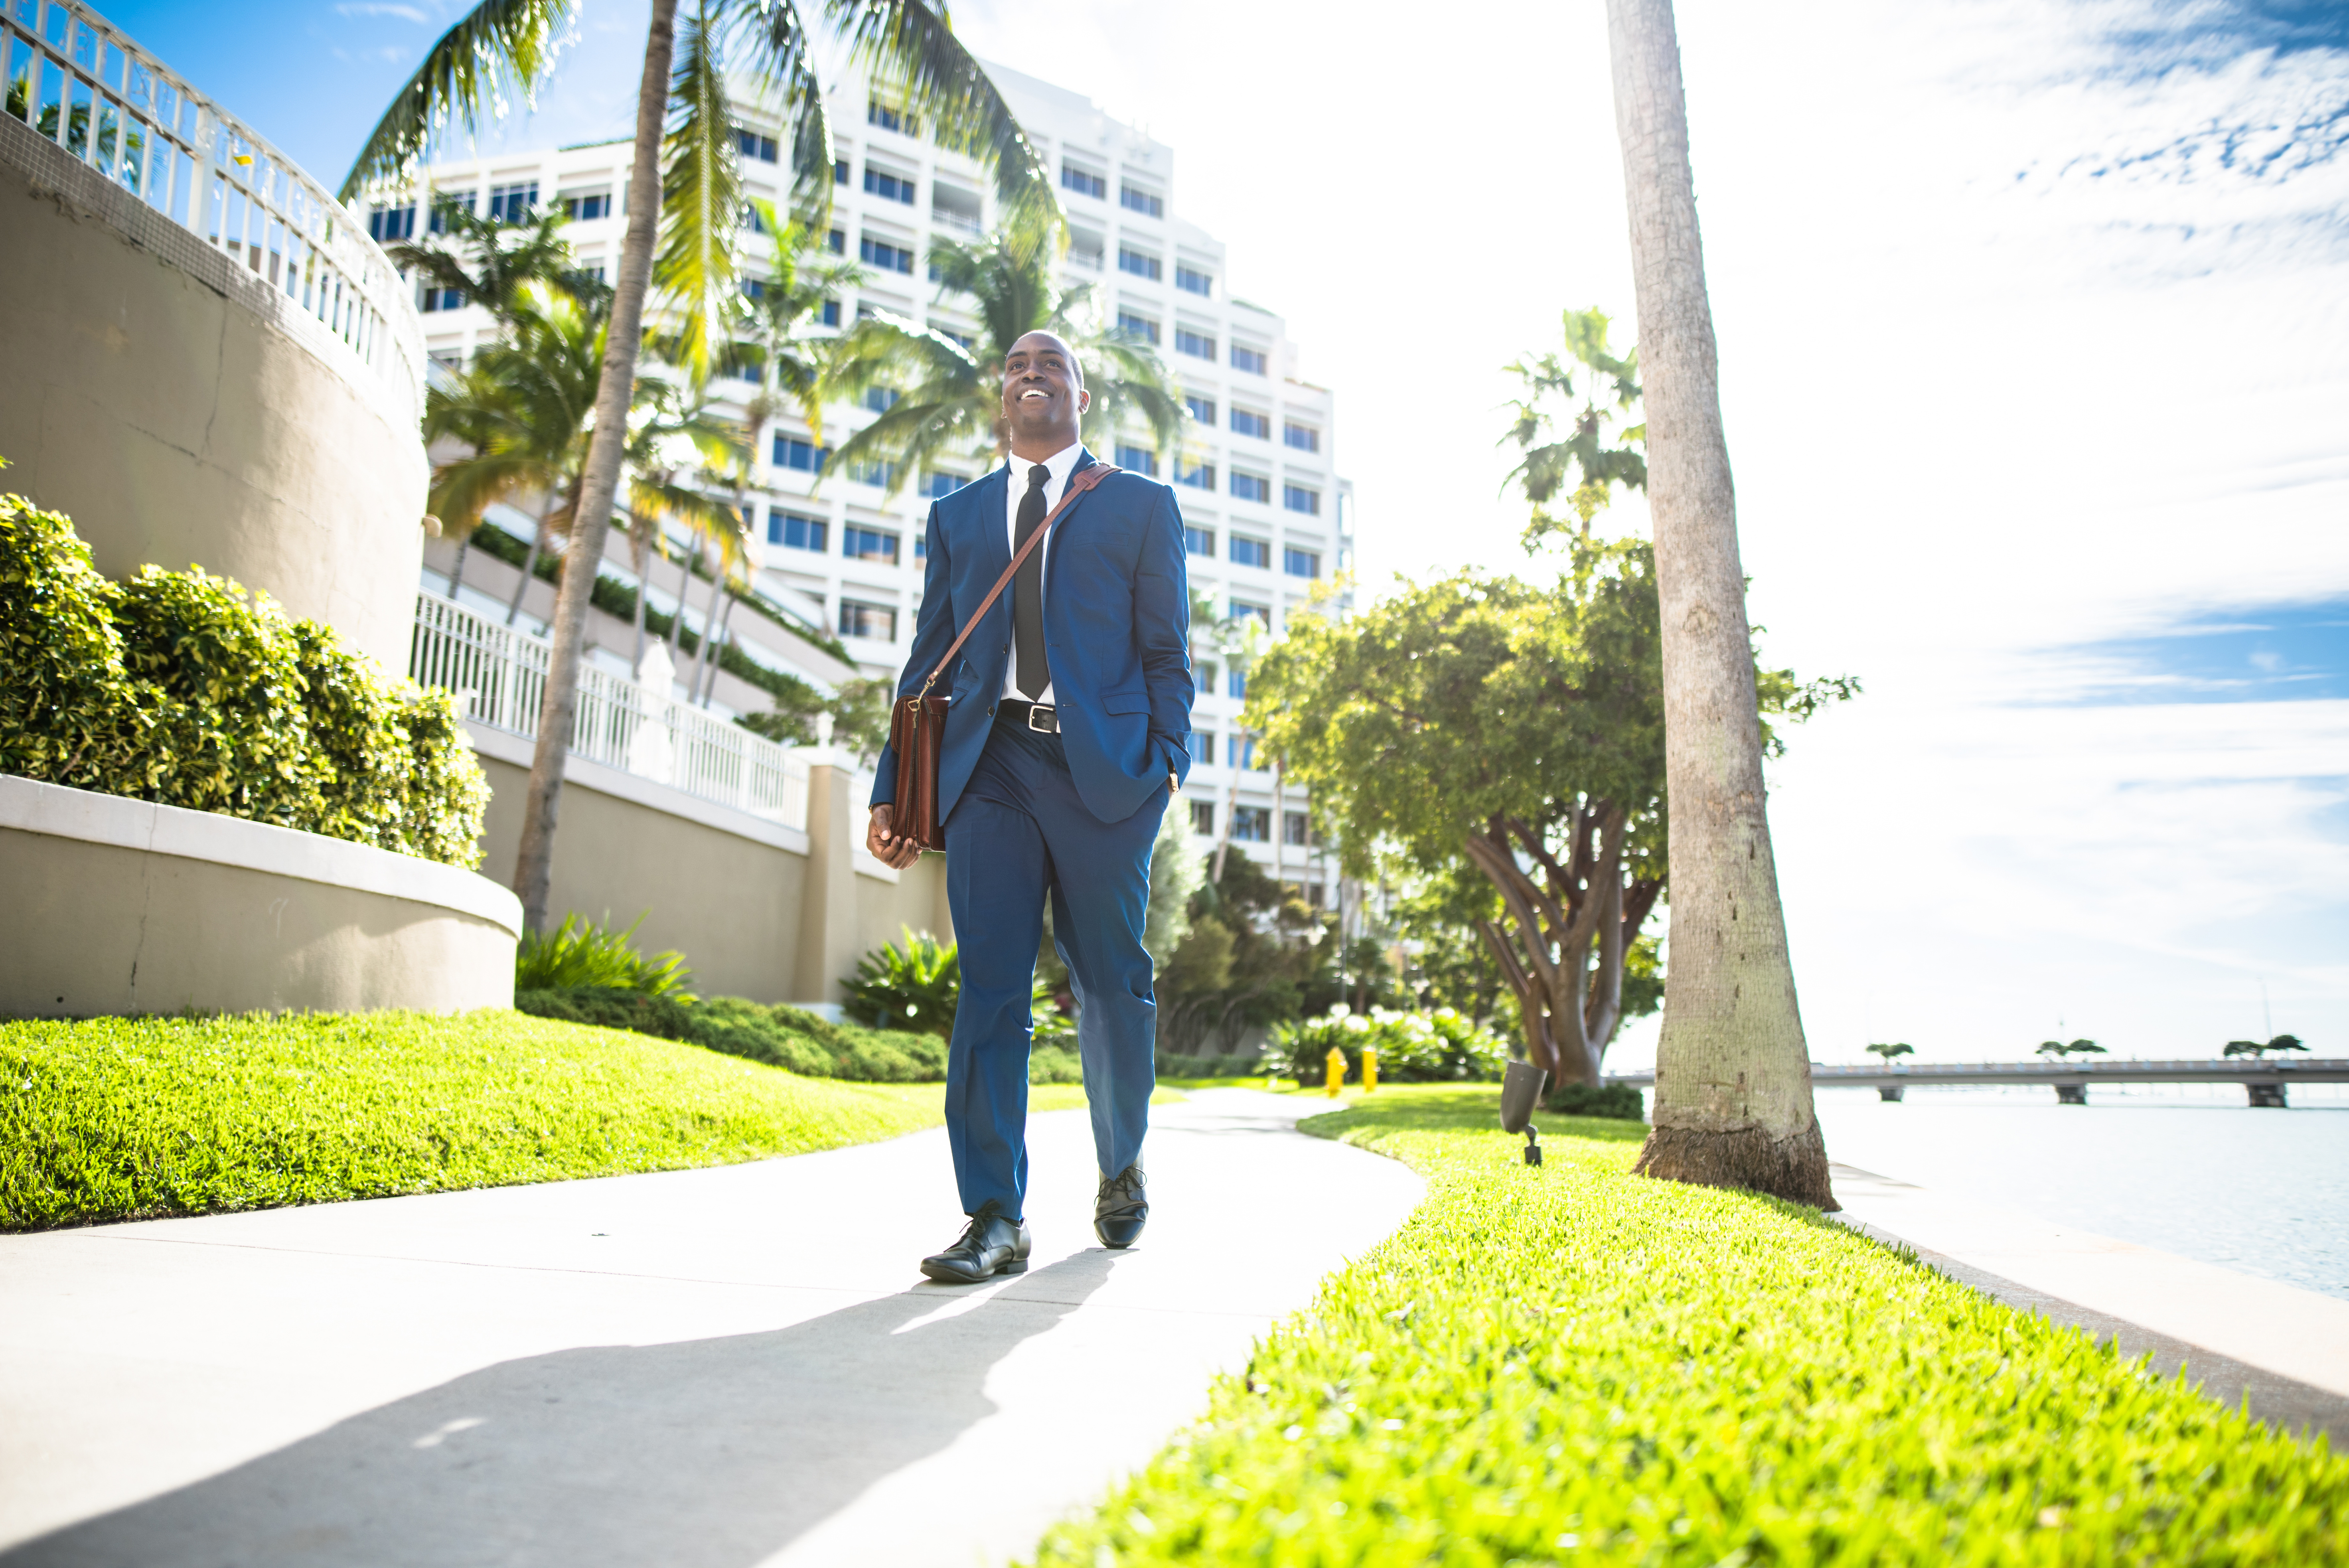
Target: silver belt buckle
[[1046, 720]]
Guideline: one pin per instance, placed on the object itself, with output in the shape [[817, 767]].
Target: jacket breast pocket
[[1125, 703]]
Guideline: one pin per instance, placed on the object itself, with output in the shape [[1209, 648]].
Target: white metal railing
[[80, 81], [499, 675]]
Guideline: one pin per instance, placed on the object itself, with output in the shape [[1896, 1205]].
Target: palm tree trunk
[[638, 546], [1732, 1073], [684, 563], [709, 631], [725, 619], [535, 862], [457, 572], [530, 560]]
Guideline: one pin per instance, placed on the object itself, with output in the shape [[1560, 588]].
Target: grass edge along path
[[1571, 1365]]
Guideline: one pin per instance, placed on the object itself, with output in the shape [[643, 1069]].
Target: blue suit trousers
[[1019, 834]]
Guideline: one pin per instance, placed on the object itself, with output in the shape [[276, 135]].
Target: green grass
[[1571, 1365], [116, 1118]]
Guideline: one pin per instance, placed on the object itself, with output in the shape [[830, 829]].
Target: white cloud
[[380, 8]]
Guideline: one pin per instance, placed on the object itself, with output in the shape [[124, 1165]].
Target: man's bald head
[[1044, 395]]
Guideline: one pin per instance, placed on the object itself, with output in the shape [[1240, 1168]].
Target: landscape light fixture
[[1521, 1091]]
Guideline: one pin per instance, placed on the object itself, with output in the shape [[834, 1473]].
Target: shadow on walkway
[[707, 1454]]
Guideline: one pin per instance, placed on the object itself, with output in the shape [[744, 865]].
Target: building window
[[1139, 327], [1300, 563], [1084, 181], [1250, 552], [1199, 344], [838, 240], [1138, 460], [442, 299], [1250, 487], [1202, 409], [1261, 612], [873, 472], [389, 223], [1136, 200], [1302, 498], [830, 314], [1139, 262], [881, 400], [888, 187], [1203, 747], [1191, 280], [1297, 828], [1199, 541], [754, 145], [465, 199], [937, 485], [868, 545], [804, 457], [1251, 424], [1248, 360], [885, 255], [1195, 471], [513, 204], [587, 209], [1304, 438], [793, 532], [1203, 818], [876, 623], [1204, 672], [1241, 755], [1252, 824], [840, 171], [1236, 684], [1086, 253], [888, 118]]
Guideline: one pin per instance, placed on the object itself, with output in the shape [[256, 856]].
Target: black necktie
[[1028, 592]]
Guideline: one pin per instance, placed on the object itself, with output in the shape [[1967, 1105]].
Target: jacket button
[[990, 710]]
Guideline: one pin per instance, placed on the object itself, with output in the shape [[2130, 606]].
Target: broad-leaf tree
[[683, 151], [2061, 1049], [946, 394], [2254, 1049], [1889, 1049], [1733, 1103]]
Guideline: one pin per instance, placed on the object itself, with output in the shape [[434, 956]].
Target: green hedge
[[783, 1036], [175, 688], [1441, 1046]]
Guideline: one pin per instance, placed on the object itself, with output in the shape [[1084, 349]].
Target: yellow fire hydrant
[[1369, 1068], [1335, 1071]]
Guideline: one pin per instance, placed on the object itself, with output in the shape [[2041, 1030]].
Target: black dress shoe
[[1121, 1208], [989, 1245]]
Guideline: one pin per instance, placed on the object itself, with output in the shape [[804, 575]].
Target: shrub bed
[[175, 688], [116, 1118], [780, 1035], [1568, 1363], [1441, 1046]]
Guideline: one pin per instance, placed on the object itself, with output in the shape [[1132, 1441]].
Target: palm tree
[[1733, 1102], [501, 49], [1888, 1050], [1549, 462], [948, 393], [671, 429]]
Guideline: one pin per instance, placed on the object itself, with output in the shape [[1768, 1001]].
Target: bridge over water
[[2267, 1082]]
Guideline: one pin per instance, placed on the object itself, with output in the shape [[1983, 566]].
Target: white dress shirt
[[1063, 463]]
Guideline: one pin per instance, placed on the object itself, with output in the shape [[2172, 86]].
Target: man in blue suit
[[1067, 737]]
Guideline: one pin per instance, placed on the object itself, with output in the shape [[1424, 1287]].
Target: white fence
[[80, 81], [499, 675]]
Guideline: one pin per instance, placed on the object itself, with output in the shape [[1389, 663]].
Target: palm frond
[[701, 197], [499, 45], [776, 43], [911, 45]]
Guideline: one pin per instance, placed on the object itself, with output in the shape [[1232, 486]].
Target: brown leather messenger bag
[[917, 725]]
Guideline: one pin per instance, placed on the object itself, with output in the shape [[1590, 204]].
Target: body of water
[[2263, 1192]]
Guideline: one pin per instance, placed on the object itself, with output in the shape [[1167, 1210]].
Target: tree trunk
[[718, 642], [457, 572], [530, 560], [709, 631], [684, 595], [1732, 1073], [639, 548], [1279, 824], [534, 864], [1231, 804]]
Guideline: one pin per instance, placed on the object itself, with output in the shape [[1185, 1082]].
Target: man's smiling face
[[1044, 394]]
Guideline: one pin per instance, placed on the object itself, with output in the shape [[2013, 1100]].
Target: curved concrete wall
[[183, 411], [119, 906]]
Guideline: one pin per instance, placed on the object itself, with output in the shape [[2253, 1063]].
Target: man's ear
[[1084, 401]]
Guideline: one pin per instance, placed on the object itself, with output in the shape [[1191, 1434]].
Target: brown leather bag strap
[[1084, 479]]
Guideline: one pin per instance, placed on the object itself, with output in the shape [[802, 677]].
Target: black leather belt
[[1038, 716]]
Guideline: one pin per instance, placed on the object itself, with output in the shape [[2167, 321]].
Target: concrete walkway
[[696, 1369], [2282, 1350]]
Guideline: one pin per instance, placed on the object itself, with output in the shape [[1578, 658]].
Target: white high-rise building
[[1266, 513]]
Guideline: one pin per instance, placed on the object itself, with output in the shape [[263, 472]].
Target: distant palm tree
[[947, 394], [2252, 1048], [2059, 1050], [1549, 462], [488, 260], [684, 164], [673, 431]]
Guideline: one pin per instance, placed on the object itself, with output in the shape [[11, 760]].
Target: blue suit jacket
[[1117, 628]]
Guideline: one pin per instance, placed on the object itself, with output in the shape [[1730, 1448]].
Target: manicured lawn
[[115, 1119], [1572, 1365]]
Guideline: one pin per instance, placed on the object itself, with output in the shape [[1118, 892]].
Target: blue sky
[[2034, 332]]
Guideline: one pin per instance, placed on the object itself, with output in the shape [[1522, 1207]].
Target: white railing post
[[500, 676]]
